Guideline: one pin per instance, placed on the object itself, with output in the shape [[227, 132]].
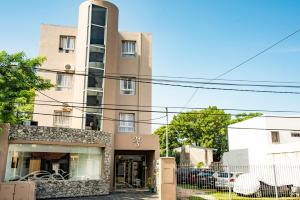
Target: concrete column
[[166, 182], [4, 132]]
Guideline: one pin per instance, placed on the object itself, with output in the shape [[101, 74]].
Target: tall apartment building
[[94, 68]]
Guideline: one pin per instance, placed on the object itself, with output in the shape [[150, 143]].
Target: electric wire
[[170, 124], [244, 62]]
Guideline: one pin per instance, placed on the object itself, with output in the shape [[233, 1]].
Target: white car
[[250, 184], [225, 180]]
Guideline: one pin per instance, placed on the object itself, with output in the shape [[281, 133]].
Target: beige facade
[[88, 65], [192, 155]]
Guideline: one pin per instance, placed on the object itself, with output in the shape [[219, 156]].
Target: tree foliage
[[205, 128], [18, 84], [244, 116]]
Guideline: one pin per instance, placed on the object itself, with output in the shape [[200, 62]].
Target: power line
[[189, 78], [119, 77], [172, 125], [202, 87], [163, 107], [244, 62], [162, 112]]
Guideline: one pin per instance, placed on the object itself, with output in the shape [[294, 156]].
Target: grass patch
[[225, 196]]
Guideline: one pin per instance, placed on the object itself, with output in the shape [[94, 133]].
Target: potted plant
[[150, 184]]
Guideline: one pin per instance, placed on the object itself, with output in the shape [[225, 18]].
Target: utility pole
[[167, 134]]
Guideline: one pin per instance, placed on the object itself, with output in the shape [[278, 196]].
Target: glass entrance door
[[130, 171]]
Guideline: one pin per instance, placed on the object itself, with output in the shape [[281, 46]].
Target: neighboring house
[[192, 155], [94, 68], [264, 140]]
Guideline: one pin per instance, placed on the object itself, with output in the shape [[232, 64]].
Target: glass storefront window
[[53, 162]]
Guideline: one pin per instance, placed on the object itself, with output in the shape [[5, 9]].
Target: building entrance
[[130, 171]]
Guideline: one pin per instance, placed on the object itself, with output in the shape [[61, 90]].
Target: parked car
[[225, 180], [250, 185], [206, 179], [184, 174]]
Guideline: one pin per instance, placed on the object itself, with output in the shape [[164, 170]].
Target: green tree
[[18, 84], [244, 116], [205, 128], [174, 141]]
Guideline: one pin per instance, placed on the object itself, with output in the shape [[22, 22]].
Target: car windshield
[[206, 173], [225, 175]]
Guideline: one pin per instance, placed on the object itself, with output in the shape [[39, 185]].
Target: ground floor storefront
[[66, 163]]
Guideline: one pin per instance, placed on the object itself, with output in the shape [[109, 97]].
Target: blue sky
[[200, 38]]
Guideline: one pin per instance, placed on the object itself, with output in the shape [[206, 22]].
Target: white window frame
[[125, 84], [65, 44], [128, 48], [126, 123], [61, 119], [68, 82]]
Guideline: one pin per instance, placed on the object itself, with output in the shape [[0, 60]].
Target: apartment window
[[97, 35], [126, 123], [295, 134], [63, 81], [67, 44], [92, 121], [275, 137], [95, 78], [127, 86], [61, 119], [99, 15], [128, 48]]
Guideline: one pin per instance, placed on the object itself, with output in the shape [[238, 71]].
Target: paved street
[[120, 195]]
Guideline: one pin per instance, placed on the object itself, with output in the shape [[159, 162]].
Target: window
[[92, 121], [127, 86], [95, 78], [61, 119], [97, 35], [63, 81], [295, 134], [128, 48], [67, 44], [126, 123], [99, 15], [73, 163], [275, 137]]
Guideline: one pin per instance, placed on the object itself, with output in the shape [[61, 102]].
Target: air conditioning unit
[[70, 68], [67, 109]]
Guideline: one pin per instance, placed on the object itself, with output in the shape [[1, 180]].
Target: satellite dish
[[68, 67]]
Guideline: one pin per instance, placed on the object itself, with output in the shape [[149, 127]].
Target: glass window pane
[[127, 123], [95, 79], [68, 162], [97, 35], [99, 15], [128, 48], [96, 57], [93, 122], [94, 98]]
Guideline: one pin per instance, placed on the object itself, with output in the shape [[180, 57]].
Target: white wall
[[251, 136]]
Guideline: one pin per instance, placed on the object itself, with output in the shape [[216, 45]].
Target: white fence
[[239, 182]]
